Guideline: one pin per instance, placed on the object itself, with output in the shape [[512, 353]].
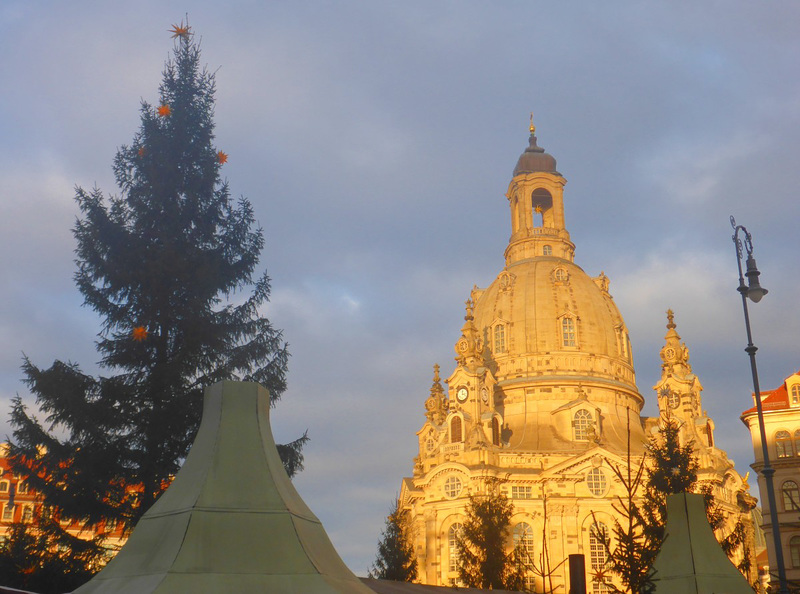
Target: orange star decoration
[[139, 333], [141, 151], [164, 110], [222, 157], [600, 576], [180, 31]]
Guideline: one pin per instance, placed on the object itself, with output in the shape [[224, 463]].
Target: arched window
[[523, 544], [598, 558], [452, 548], [580, 425], [452, 487], [796, 394], [596, 481], [568, 332], [542, 203], [500, 338], [547, 250], [495, 431], [455, 430], [783, 444], [794, 551], [790, 495], [797, 442]]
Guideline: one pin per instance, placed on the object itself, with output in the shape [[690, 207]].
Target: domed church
[[543, 399]]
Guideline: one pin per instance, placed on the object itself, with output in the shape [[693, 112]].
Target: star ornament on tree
[[600, 576], [180, 31], [164, 110], [222, 157], [139, 333]]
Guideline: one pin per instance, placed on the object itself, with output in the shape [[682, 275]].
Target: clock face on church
[[461, 394]]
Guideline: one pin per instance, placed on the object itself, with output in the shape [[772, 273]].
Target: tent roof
[[691, 560], [231, 521]]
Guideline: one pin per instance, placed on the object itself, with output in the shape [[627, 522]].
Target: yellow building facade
[[543, 398], [781, 409]]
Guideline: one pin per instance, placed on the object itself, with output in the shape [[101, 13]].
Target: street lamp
[[755, 292]]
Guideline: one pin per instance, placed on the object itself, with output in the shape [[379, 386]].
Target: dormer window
[[500, 338], [547, 250], [796, 394], [568, 338], [580, 425]]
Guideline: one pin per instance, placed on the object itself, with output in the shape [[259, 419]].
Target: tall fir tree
[[159, 263], [481, 547], [395, 560]]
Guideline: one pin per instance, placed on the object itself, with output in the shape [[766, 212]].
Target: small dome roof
[[535, 159]]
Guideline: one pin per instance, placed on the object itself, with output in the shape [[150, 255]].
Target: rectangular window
[[22, 487], [27, 513], [3, 486], [500, 338], [521, 492], [568, 332], [8, 513]]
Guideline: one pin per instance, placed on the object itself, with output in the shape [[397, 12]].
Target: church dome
[[534, 159], [546, 316]]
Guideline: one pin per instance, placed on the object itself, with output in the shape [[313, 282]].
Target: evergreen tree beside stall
[[395, 560], [171, 266], [481, 547]]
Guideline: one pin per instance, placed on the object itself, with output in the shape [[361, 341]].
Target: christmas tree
[[159, 263], [481, 546], [395, 560]]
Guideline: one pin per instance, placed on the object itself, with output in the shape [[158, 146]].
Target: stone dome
[[557, 321], [534, 159]]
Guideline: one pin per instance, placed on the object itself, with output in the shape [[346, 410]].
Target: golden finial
[[436, 373], [670, 319], [533, 128]]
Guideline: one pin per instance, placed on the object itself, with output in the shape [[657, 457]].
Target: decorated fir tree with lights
[[158, 263]]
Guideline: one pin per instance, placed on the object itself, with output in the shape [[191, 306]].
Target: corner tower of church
[[542, 397]]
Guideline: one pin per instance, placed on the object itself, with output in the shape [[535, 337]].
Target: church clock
[[461, 394]]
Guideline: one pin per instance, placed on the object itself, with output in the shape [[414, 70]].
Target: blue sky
[[376, 141]]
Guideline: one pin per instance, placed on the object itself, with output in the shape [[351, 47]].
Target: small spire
[[436, 379], [670, 320], [469, 305], [532, 128]]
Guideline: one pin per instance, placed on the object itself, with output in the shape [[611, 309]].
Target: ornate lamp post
[[755, 292]]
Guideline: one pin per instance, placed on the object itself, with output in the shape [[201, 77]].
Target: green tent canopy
[[231, 521], [691, 561]]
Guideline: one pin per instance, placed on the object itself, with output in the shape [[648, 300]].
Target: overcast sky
[[376, 141]]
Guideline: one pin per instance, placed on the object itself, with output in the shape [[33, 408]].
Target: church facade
[[543, 399]]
